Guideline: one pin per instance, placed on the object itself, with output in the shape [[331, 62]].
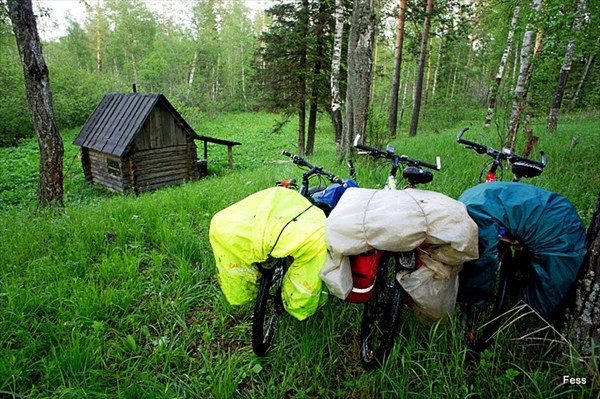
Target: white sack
[[397, 221], [432, 287]]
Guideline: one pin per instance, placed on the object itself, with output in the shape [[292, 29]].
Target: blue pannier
[[546, 223], [328, 198]]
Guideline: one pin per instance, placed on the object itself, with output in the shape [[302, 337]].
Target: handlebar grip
[[541, 164], [287, 153], [368, 148], [428, 165]]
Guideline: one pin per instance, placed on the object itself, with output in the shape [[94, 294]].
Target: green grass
[[115, 296]]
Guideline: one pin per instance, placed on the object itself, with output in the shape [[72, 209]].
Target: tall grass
[[115, 296]]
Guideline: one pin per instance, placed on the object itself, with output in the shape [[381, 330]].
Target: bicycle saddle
[[415, 175], [525, 169]]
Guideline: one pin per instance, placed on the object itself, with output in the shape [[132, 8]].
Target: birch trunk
[[336, 57], [39, 97], [582, 322], [428, 80], [523, 79], [420, 71], [314, 100], [98, 39], [586, 70], [494, 89], [360, 62], [437, 68], [565, 69], [192, 74], [393, 115], [302, 80]]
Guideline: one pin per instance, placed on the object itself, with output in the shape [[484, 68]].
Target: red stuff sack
[[364, 271]]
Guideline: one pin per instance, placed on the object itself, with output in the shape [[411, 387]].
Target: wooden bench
[[230, 144]]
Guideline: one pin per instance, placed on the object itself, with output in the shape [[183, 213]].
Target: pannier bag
[[364, 270], [328, 198], [276, 222], [544, 222], [400, 221]]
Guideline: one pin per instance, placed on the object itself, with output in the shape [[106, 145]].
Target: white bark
[[507, 49], [336, 57], [523, 79], [565, 69]]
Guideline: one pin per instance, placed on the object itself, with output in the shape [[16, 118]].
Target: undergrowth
[[115, 296]]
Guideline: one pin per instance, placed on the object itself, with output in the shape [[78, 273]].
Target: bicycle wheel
[[268, 308], [381, 314], [481, 323], [499, 174]]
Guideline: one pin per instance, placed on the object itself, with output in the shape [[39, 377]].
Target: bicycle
[[520, 166], [480, 323], [269, 304], [381, 314]]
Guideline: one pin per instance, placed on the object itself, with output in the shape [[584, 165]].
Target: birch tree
[[565, 69], [582, 322], [304, 20], [360, 63], [393, 114], [420, 71], [39, 97], [320, 22], [523, 79], [584, 75], [494, 89], [336, 58]]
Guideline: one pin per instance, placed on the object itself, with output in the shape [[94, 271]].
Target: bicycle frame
[[269, 305], [382, 312], [512, 256]]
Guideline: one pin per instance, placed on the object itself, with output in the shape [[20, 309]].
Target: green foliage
[[15, 123], [116, 296], [291, 46]]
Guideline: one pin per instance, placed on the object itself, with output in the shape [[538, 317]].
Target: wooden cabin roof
[[118, 119]]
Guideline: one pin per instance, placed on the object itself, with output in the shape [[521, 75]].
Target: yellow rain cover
[[278, 222]]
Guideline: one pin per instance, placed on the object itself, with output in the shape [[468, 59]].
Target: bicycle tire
[[268, 308], [381, 314], [480, 324]]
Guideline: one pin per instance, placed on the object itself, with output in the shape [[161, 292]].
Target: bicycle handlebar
[[318, 170], [377, 153], [482, 149]]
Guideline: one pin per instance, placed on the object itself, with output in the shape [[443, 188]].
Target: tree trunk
[[302, 79], [336, 57], [586, 70], [99, 38], [420, 71], [494, 89], [437, 66], [565, 68], [360, 62], [39, 97], [320, 44], [428, 80], [393, 115], [192, 74], [523, 79], [582, 324]]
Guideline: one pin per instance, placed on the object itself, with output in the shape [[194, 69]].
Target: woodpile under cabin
[[139, 142]]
